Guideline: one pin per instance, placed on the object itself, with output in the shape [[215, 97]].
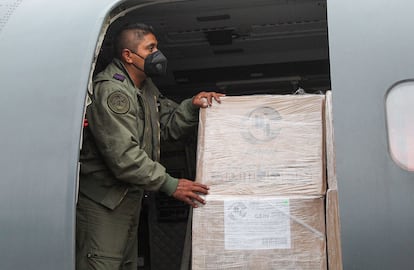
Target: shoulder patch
[[119, 77], [118, 102]]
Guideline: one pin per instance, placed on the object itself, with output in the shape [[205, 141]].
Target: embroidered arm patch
[[118, 102]]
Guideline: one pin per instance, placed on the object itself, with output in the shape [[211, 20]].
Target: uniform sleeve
[[112, 118], [176, 120]]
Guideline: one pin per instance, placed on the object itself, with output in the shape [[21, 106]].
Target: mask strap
[[137, 55], [137, 67]]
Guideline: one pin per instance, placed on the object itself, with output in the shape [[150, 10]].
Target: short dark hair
[[124, 39]]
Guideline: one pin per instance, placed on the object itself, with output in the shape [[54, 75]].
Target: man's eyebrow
[[151, 45]]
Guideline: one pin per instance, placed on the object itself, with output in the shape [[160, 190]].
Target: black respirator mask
[[155, 64]]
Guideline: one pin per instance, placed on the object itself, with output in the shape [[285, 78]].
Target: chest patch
[[118, 102]]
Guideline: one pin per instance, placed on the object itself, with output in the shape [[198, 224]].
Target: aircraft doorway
[[233, 47]]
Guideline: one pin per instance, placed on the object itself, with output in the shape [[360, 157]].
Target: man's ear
[[126, 56]]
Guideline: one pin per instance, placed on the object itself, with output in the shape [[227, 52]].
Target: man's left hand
[[188, 192]]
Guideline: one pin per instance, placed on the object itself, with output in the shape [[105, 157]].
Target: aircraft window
[[400, 123]]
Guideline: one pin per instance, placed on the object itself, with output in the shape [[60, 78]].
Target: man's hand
[[205, 99], [187, 191]]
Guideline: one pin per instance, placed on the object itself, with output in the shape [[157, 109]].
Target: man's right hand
[[205, 99], [188, 191]]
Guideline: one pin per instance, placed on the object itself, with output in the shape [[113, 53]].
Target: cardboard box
[[333, 228], [263, 145], [330, 144], [333, 231], [259, 232]]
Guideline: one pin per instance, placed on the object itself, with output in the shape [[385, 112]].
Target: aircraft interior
[[236, 47]]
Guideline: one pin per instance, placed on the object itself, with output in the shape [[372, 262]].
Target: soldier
[[127, 118]]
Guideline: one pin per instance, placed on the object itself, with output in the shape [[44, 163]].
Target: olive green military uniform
[[118, 161]]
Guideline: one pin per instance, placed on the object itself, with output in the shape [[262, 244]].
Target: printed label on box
[[257, 224]]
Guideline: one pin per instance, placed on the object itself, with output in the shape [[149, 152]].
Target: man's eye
[[152, 48]]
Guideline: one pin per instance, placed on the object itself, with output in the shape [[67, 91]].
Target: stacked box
[[263, 158], [252, 232], [333, 230], [330, 143], [263, 145]]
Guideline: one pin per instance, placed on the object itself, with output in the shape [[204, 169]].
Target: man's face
[[147, 45]]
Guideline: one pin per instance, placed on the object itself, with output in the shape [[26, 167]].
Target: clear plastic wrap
[[259, 232], [263, 158], [263, 145]]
